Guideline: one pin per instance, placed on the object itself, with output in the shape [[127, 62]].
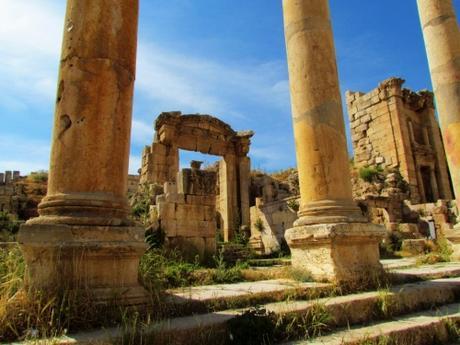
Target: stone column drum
[[331, 238], [442, 41], [83, 237]]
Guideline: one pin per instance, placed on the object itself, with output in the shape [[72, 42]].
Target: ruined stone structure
[[208, 135], [11, 194], [393, 127], [133, 184], [271, 215], [442, 41], [269, 222], [331, 238], [186, 212], [83, 238]]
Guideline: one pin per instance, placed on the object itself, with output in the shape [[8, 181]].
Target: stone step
[[440, 270], [392, 264], [424, 328], [342, 311], [201, 299], [269, 262]]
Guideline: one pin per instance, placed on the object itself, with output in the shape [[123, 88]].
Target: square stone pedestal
[[343, 252], [102, 261]]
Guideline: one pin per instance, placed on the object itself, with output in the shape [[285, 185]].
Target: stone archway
[[208, 135]]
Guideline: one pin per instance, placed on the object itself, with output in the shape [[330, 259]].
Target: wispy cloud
[[196, 84], [239, 92], [30, 32], [141, 133], [24, 154]]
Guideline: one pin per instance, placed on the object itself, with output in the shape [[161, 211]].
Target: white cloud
[[141, 133], [24, 154], [196, 84], [30, 36], [30, 32]]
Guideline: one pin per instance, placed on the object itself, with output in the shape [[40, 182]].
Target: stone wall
[[393, 127], [187, 213], [208, 135], [133, 184], [11, 194], [269, 221]]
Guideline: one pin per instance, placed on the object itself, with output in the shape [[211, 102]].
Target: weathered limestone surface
[[274, 218], [83, 238], [325, 185], [208, 135], [393, 127], [442, 41], [12, 196], [187, 213], [133, 184]]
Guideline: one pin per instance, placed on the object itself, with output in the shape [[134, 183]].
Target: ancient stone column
[[83, 235], [331, 238], [442, 41]]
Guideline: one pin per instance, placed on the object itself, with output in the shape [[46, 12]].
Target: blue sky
[[220, 57]]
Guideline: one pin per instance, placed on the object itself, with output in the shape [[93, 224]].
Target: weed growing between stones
[[453, 329], [268, 328], [385, 304], [164, 269], [9, 227], [382, 340], [441, 252]]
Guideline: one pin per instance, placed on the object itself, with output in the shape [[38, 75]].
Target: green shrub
[[370, 173], [12, 269], [8, 227], [254, 326], [155, 238], [293, 205], [39, 176], [259, 225]]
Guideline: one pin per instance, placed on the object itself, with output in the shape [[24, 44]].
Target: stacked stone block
[[160, 163], [187, 214], [208, 135], [393, 127]]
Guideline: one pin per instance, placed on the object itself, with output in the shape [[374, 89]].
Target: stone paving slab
[[245, 289], [391, 264], [415, 326], [445, 269], [344, 310]]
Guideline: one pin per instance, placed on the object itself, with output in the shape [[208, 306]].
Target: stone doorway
[[208, 135], [425, 172]]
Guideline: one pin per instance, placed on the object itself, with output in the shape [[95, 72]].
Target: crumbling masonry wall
[[208, 135], [187, 213], [11, 194], [394, 127]]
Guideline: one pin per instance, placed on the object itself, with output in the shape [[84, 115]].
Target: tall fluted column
[[442, 41], [327, 208], [84, 216], [319, 129]]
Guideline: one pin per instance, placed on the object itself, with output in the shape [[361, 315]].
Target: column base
[[330, 212], [339, 253], [100, 261]]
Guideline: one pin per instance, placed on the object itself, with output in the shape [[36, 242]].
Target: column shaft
[[319, 129], [331, 239], [442, 41], [92, 122], [81, 241]]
